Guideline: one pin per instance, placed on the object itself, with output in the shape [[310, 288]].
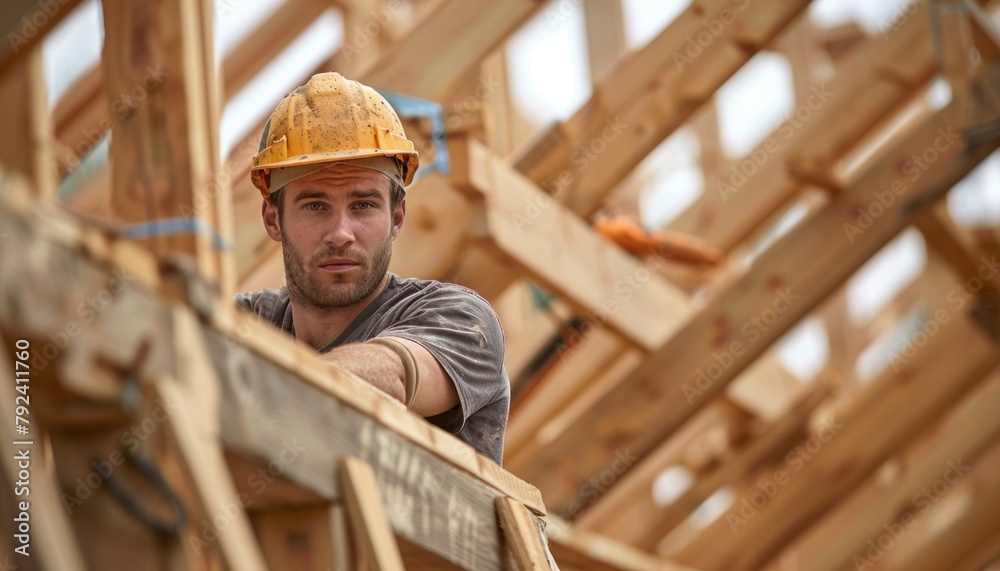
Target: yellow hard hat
[[327, 120]]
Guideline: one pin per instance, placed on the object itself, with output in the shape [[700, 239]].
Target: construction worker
[[332, 166]]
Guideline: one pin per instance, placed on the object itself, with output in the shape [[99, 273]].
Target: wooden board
[[569, 258]]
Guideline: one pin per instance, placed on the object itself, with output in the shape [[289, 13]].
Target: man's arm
[[381, 367]]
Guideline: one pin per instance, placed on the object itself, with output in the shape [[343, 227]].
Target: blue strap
[[407, 106], [177, 226]]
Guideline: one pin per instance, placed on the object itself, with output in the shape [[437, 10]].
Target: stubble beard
[[302, 276]]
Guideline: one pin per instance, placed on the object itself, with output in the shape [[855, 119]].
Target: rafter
[[834, 459], [807, 263], [970, 426], [830, 122], [650, 95]]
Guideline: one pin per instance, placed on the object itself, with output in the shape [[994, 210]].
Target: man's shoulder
[[421, 287]]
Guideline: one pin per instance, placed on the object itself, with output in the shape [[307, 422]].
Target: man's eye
[[364, 205], [314, 206]]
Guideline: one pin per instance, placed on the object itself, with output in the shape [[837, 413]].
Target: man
[[332, 167]]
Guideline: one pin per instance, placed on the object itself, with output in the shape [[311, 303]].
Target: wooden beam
[[843, 451], [523, 537], [163, 145], [831, 120], [981, 558], [956, 246], [27, 147], [25, 24], [375, 546], [576, 548], [455, 37], [785, 284], [962, 517], [559, 251], [631, 498], [193, 425], [881, 501], [605, 36], [774, 440], [646, 98]]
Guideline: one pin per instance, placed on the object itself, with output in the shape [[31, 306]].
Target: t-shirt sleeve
[[246, 301], [461, 331]]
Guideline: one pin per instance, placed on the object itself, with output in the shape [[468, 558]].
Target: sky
[[549, 80]]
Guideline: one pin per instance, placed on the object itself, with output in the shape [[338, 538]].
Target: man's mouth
[[338, 265]]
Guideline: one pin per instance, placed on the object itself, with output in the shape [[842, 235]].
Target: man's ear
[[272, 224], [397, 218]]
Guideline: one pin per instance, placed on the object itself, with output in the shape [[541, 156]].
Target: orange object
[[674, 245]]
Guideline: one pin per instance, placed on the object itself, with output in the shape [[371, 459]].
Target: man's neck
[[319, 327]]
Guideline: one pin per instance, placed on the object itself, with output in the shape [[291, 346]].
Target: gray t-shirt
[[454, 324]]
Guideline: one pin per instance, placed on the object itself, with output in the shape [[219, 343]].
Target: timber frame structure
[[171, 431]]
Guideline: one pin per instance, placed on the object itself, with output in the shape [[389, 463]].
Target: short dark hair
[[396, 195]]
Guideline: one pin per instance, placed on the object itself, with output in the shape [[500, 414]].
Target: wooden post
[[375, 544], [523, 539], [159, 76], [26, 144]]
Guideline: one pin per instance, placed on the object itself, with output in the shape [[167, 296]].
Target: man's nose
[[341, 231]]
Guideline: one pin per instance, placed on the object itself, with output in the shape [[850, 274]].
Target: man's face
[[336, 232]]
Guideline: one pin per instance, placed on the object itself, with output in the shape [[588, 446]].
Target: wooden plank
[[963, 516], [163, 146], [647, 97], [981, 558], [375, 546], [631, 498], [523, 538], [605, 36], [834, 541], [956, 246], [785, 283], [831, 120], [435, 230], [455, 37], [314, 414], [576, 548], [25, 24], [848, 448], [774, 440], [26, 149], [193, 425], [280, 29], [558, 250]]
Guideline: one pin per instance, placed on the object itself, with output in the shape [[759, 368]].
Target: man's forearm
[[375, 364]]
